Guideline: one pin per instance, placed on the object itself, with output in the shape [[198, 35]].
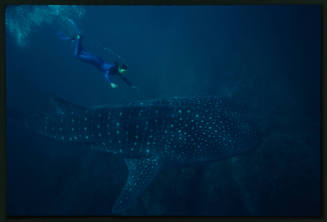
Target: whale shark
[[152, 134]]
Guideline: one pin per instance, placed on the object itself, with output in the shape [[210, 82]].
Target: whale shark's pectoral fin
[[140, 173], [62, 106]]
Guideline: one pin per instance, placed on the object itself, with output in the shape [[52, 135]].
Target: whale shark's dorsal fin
[[140, 173], [63, 106]]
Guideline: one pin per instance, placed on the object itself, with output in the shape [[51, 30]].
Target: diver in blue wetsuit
[[109, 69]]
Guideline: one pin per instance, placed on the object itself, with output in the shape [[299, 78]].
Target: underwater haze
[[266, 59]]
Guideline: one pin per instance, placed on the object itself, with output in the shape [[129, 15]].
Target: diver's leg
[[78, 46], [82, 54], [85, 55], [90, 58], [62, 36]]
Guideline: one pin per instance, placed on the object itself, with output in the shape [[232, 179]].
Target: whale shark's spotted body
[[152, 134]]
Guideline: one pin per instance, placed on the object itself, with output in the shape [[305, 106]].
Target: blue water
[[266, 56]]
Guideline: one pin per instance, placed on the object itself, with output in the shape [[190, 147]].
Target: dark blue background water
[[266, 56]]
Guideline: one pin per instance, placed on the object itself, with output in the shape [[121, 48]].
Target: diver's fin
[[140, 173], [62, 36], [62, 106], [74, 25]]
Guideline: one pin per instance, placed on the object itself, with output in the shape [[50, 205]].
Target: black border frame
[[323, 106]]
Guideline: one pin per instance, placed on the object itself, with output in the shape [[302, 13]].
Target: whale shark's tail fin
[[53, 124], [26, 120]]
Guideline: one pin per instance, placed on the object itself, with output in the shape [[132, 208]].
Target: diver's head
[[122, 68]]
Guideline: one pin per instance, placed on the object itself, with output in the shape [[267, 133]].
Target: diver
[[115, 69]]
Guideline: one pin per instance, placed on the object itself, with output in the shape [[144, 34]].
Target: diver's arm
[[108, 80], [106, 76], [127, 81]]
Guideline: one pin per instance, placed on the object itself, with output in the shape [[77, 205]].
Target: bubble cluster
[[23, 20]]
